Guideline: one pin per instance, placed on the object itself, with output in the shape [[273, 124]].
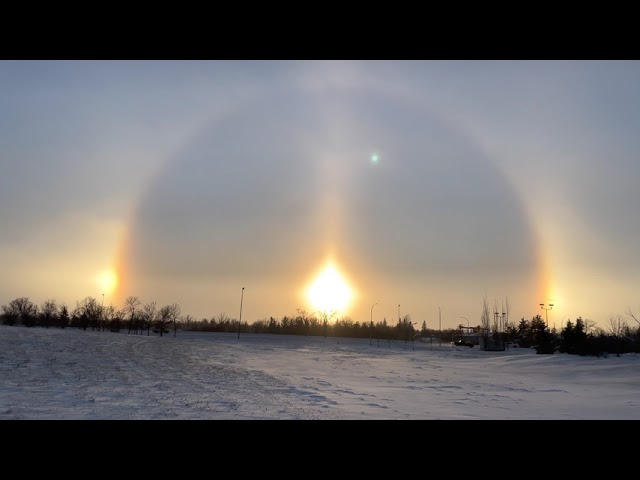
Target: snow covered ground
[[74, 374]]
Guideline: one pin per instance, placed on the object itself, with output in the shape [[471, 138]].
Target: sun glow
[[329, 292], [107, 281]]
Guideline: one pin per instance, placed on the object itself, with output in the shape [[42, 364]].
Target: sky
[[70, 374], [420, 188]]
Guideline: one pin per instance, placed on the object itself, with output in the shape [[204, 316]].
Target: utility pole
[[240, 321], [546, 312]]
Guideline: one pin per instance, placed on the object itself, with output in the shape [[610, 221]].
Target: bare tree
[[63, 316], [108, 316], [11, 314], [617, 326], [149, 314], [130, 305], [48, 312], [326, 317], [165, 316], [28, 311], [88, 313], [590, 325], [485, 317], [117, 320], [174, 315]]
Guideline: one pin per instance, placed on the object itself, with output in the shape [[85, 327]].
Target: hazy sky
[[430, 186]]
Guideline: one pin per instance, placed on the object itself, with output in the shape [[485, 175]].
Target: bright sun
[[107, 281], [329, 292]]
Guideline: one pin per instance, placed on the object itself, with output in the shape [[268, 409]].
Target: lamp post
[[466, 320], [240, 321], [399, 320], [546, 311], [371, 324]]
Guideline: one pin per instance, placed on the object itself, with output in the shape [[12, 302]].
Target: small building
[[470, 334], [483, 338]]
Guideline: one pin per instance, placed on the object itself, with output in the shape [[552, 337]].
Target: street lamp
[[371, 324], [411, 333], [466, 320], [399, 320], [240, 321], [546, 311]]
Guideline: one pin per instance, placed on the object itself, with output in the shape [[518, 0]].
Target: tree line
[[580, 337], [135, 317]]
